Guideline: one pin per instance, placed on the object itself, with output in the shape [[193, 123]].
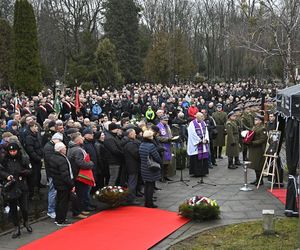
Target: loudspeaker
[[289, 105]]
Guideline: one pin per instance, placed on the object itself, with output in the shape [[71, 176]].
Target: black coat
[[61, 172], [89, 147], [114, 149], [33, 147], [132, 157], [148, 148], [48, 158], [16, 167], [102, 167]]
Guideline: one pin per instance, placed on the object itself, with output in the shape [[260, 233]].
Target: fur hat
[[148, 134], [12, 146]]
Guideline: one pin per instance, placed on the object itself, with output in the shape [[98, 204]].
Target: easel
[[270, 161]]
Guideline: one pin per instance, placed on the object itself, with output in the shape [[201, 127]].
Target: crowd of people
[[114, 133]]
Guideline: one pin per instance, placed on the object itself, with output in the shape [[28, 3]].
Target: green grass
[[245, 236]]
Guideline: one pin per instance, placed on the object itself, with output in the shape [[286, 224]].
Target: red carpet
[[122, 228], [280, 194]]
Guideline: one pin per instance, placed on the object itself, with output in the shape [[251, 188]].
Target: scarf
[[167, 146], [200, 131]]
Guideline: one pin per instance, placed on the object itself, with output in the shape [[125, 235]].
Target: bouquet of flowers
[[200, 208], [112, 195]]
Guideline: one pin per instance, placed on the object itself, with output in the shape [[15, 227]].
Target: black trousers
[[218, 152], [212, 155], [22, 202], [36, 174], [132, 183], [245, 152], [148, 192], [62, 205]]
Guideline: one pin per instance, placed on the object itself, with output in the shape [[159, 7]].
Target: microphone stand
[[201, 180], [181, 176]]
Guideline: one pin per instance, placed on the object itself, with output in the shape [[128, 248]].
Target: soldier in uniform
[[232, 145], [220, 118], [238, 113], [257, 147], [247, 121]]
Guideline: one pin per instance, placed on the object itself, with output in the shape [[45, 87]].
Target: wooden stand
[[270, 161]]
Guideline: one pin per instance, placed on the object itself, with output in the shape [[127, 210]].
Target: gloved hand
[[25, 172]]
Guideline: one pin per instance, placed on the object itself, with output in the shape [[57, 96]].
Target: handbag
[[214, 133], [11, 191], [153, 165], [249, 137]]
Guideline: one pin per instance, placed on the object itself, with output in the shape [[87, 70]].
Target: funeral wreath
[[112, 195], [200, 208]]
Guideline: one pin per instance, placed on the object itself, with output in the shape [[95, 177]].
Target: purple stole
[[167, 146], [200, 131]]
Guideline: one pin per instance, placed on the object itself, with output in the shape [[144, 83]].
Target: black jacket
[[89, 147], [132, 157], [33, 147], [102, 167], [16, 167], [61, 172], [76, 158], [114, 149], [48, 158]]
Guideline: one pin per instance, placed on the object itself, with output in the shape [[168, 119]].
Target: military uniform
[[232, 146], [220, 118], [247, 123], [257, 149]]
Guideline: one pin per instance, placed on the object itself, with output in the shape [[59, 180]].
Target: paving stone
[[236, 206]]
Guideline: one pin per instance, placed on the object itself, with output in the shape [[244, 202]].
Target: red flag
[[77, 101], [86, 176]]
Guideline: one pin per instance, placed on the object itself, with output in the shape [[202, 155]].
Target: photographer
[[14, 172]]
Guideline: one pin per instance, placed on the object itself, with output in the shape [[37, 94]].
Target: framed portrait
[[273, 143]]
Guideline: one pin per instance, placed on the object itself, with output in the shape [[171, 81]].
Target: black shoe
[[163, 180], [138, 194], [215, 164], [28, 227], [133, 203], [220, 157], [150, 206], [238, 163], [93, 206], [90, 209], [16, 233], [168, 179], [156, 188], [254, 183], [63, 224], [231, 167]]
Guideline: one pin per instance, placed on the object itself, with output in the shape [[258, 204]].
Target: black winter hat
[[12, 146], [87, 131], [51, 124], [112, 126]]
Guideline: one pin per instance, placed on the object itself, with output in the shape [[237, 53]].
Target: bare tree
[[272, 31]]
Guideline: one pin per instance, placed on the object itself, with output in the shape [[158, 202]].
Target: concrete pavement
[[236, 206]]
